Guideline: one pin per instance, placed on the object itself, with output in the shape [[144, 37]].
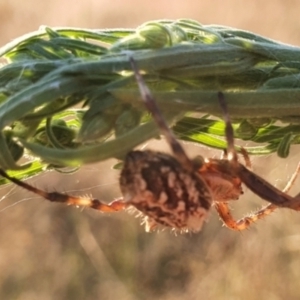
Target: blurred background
[[50, 251]]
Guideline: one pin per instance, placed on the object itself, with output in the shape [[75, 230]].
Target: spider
[[175, 191]]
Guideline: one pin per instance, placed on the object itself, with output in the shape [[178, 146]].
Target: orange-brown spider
[[176, 191]]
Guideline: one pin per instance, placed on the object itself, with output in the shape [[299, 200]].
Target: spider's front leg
[[116, 205], [228, 220]]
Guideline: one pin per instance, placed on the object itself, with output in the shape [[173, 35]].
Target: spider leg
[[229, 134], [227, 218], [246, 157], [230, 152], [117, 205], [267, 191], [224, 212], [157, 116]]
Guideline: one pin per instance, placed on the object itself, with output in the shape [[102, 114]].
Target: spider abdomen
[[164, 191]]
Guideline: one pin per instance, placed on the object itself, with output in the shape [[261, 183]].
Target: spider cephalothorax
[[224, 184]]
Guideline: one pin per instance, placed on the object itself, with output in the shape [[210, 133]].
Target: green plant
[[68, 96]]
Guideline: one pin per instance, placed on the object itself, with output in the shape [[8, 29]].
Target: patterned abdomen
[[164, 191]]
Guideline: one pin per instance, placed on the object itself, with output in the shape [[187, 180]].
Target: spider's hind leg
[[151, 105], [117, 205]]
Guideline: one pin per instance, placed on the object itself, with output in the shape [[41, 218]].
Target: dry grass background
[[51, 251]]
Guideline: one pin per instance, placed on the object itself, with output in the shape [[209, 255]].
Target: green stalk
[[84, 78]]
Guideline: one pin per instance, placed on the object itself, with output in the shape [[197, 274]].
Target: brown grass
[[51, 251]]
